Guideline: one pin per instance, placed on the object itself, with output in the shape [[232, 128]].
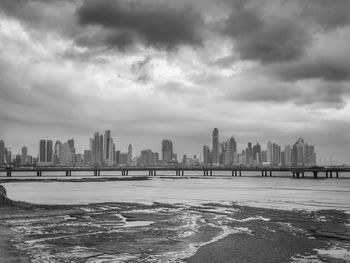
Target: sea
[[280, 191]]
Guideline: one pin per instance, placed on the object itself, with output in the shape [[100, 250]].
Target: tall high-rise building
[[67, 155], [101, 149], [2, 153], [24, 155], [49, 152], [129, 160], [273, 153], [8, 156], [87, 157], [232, 149], [96, 148], [303, 154], [109, 159], [42, 151], [288, 155], [148, 157], [71, 145], [257, 153], [206, 155], [167, 151], [45, 152], [106, 146], [216, 145], [57, 153]]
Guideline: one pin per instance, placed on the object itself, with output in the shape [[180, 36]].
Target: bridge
[[296, 172]]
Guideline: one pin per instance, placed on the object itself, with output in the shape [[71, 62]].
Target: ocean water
[[269, 192]]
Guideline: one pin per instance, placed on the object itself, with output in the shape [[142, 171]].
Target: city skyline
[[175, 69], [102, 150]]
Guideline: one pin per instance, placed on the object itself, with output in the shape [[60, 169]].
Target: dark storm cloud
[[318, 68], [327, 14], [43, 15], [157, 24], [281, 30], [266, 38]]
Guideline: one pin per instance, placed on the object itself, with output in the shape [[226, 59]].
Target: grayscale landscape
[[174, 131]]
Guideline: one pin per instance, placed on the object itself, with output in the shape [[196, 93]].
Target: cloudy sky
[[151, 69]]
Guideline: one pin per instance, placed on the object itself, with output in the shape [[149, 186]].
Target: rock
[[3, 197]]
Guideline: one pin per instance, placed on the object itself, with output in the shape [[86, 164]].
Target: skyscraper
[[148, 157], [71, 145], [106, 146], [129, 160], [110, 152], [232, 149], [167, 150], [49, 151], [96, 148], [24, 154], [288, 155], [216, 145], [206, 155], [45, 152], [101, 149], [302, 153], [42, 151], [257, 153], [2, 153], [87, 157]]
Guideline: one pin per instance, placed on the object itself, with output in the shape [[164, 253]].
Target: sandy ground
[[127, 232]]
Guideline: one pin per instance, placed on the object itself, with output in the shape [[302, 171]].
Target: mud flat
[[132, 232]]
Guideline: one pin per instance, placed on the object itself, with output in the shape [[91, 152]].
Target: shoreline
[[78, 179], [188, 233]]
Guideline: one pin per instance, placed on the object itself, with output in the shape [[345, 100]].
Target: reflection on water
[[282, 193]]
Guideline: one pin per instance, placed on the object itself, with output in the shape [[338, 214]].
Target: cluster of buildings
[[102, 152], [225, 153]]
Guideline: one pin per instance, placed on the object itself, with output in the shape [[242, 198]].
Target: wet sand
[[128, 232]]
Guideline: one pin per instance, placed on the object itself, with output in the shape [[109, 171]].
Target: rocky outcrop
[[3, 197]]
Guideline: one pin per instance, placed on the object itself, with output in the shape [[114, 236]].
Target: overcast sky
[[152, 69]]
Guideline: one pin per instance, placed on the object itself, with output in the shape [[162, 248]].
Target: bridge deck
[[180, 170]]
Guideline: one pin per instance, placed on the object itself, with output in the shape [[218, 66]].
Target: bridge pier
[[331, 174], [337, 174], [240, 173], [298, 174], [270, 173], [326, 174]]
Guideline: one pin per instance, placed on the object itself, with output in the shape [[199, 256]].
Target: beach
[[172, 230]]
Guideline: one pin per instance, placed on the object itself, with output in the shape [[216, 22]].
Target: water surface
[[269, 192]]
